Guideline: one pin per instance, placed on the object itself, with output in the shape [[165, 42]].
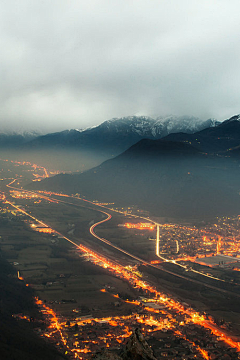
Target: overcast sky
[[72, 64]]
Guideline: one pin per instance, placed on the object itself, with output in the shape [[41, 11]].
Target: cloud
[[77, 63]]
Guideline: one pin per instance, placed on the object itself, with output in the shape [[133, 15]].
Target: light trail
[[154, 266], [54, 324], [91, 230], [157, 245], [135, 257], [133, 279], [139, 226], [120, 271], [204, 353], [149, 323]]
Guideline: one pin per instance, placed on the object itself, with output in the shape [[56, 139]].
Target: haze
[[75, 64]]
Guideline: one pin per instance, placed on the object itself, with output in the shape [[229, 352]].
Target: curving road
[[152, 265], [107, 242]]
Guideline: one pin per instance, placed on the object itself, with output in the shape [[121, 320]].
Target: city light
[[153, 310], [140, 226]]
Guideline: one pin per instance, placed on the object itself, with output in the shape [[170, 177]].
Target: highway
[[98, 258], [157, 247], [144, 261], [152, 265], [119, 269], [108, 243]]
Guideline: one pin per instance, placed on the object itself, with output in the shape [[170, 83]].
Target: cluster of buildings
[[215, 244], [172, 334]]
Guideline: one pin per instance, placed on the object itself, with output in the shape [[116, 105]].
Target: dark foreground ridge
[[136, 348]]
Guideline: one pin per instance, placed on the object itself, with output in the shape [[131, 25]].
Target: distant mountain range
[[111, 137], [78, 150], [115, 136], [168, 177], [16, 139]]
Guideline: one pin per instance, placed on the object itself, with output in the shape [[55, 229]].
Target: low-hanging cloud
[[73, 64]]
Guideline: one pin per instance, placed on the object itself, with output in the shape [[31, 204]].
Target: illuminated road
[[111, 244], [131, 255], [143, 261], [123, 273], [170, 303], [107, 242], [152, 265]]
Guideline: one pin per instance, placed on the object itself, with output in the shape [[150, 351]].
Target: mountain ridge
[[116, 135], [171, 179], [213, 139]]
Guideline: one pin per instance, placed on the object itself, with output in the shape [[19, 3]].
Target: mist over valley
[[181, 175]]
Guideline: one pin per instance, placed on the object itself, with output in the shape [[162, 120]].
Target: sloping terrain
[[215, 139], [167, 178]]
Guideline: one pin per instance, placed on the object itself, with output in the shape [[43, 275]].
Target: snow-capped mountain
[[186, 124], [232, 119], [116, 135], [140, 125], [156, 127], [12, 139], [127, 129]]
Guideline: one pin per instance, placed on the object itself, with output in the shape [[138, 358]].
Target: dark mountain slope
[[214, 139], [167, 178], [109, 138]]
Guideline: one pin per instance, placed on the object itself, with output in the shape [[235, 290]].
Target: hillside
[[167, 178], [215, 139], [78, 150]]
